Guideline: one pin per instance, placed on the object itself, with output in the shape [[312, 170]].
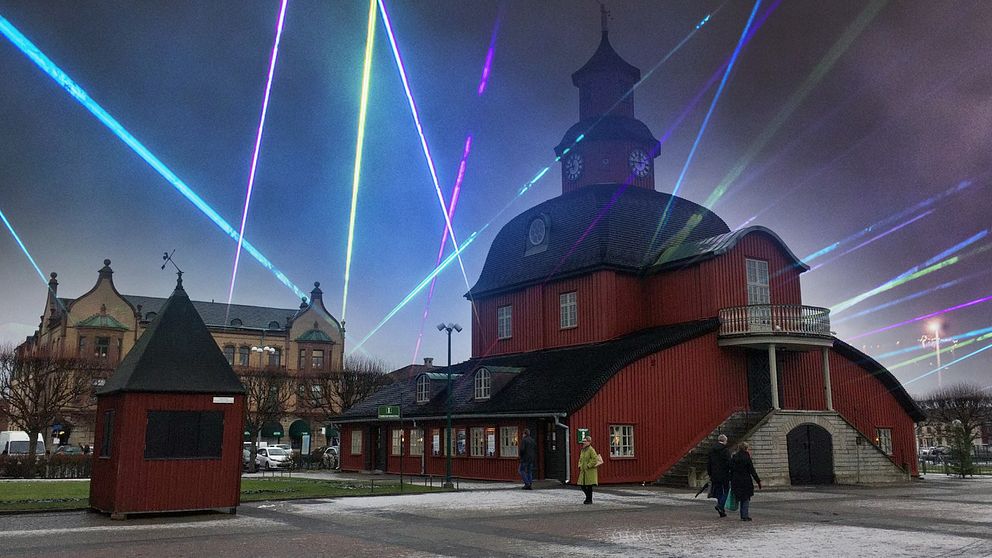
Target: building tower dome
[[607, 145]]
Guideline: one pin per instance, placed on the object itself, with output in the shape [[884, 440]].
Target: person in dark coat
[[528, 459], [741, 473], [718, 468]]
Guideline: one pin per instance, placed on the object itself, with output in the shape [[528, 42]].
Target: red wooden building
[[169, 422], [643, 318]]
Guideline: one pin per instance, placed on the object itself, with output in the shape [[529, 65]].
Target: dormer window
[[150, 316], [236, 322], [274, 325], [483, 384], [423, 389]]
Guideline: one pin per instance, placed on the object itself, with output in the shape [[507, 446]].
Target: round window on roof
[[537, 232], [236, 322], [274, 325]]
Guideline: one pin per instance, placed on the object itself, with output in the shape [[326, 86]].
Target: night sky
[[883, 147]]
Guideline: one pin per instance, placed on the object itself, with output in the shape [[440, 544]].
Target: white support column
[[773, 375], [828, 395]]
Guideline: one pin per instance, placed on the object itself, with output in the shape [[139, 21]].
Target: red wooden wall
[[126, 482], [674, 399], [611, 304]]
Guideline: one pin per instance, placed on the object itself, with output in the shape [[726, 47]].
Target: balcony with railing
[[782, 324]]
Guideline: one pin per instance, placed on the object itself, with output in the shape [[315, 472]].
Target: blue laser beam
[[706, 119], [949, 364], [24, 248], [78, 93]]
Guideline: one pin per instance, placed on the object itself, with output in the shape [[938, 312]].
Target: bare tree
[[958, 412], [37, 387], [331, 392], [267, 394]]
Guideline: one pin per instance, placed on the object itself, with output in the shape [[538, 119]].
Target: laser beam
[[359, 144], [35, 55], [925, 316], [873, 239], [24, 248], [254, 156], [423, 139], [487, 66], [706, 119], [949, 364]]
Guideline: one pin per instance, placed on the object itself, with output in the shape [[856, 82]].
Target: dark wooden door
[[555, 439], [380, 447], [811, 455], [759, 385]]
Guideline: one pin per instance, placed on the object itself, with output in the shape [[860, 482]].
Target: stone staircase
[[690, 471]]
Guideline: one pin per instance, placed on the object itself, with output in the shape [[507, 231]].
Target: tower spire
[[604, 15]]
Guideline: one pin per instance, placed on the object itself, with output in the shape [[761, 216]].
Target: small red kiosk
[[169, 422]]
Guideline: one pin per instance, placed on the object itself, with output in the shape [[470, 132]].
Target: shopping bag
[[731, 502]]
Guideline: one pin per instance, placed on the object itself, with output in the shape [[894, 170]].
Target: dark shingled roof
[[605, 59], [608, 127], [883, 375], [176, 354], [552, 381], [213, 313], [688, 253], [615, 235]]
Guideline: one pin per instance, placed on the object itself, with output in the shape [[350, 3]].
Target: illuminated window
[[504, 322], [417, 441], [490, 442], [423, 389], [883, 439], [483, 384], [568, 315], [397, 446], [508, 441], [102, 347], [621, 440], [356, 442], [460, 440], [478, 441]]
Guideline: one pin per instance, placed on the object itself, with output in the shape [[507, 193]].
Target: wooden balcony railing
[[775, 319]]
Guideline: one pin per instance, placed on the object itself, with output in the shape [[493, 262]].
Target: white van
[[15, 442]]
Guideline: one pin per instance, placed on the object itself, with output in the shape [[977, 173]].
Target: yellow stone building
[[104, 324]]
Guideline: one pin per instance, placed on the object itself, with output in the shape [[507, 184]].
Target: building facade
[[104, 325], [640, 318]]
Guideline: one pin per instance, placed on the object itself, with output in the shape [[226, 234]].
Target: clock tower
[[607, 145]]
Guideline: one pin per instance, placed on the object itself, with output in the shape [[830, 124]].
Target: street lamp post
[[447, 463]]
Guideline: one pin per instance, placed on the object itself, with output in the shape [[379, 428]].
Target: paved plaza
[[934, 517]]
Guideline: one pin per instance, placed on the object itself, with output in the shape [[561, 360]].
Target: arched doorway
[[296, 432], [811, 455]]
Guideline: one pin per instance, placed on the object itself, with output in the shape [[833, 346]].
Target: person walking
[[741, 473], [589, 462], [718, 468], [528, 459]]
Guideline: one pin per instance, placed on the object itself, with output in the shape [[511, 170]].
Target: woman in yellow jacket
[[588, 473]]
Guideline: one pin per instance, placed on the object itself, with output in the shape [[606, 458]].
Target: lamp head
[[457, 327], [440, 327]]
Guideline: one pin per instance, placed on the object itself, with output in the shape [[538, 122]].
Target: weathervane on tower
[[168, 259]]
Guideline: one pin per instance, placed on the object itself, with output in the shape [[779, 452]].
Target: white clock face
[[573, 166], [639, 162], [537, 231]]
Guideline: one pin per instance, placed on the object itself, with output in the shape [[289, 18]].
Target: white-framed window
[[417, 441], [504, 322], [621, 440], [490, 441], [478, 441], [356, 442], [508, 441], [483, 383], [397, 445], [461, 441], [435, 442], [757, 282], [423, 389], [883, 438], [568, 310]]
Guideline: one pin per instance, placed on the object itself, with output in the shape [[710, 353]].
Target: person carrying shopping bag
[[589, 462]]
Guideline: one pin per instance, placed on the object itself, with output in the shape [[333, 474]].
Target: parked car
[[325, 456], [68, 450], [273, 457], [16, 442]]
